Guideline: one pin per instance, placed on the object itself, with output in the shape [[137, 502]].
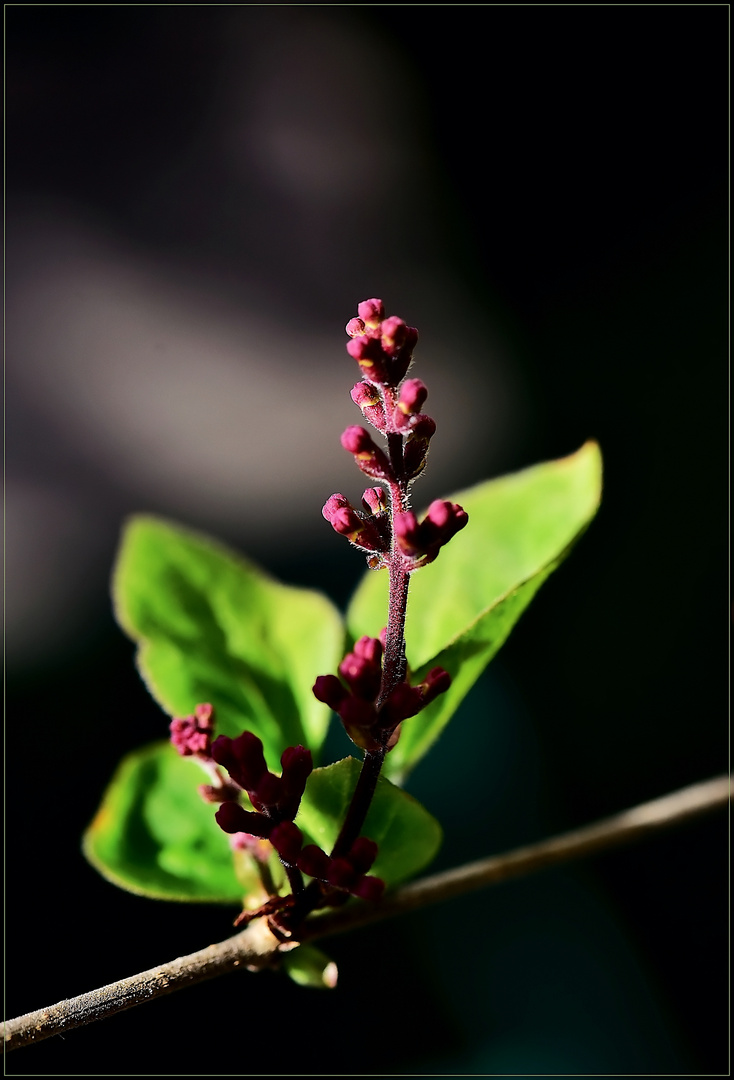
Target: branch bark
[[256, 948]]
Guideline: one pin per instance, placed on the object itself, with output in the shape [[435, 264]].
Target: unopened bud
[[368, 456], [393, 334], [369, 354], [330, 690], [242, 757], [287, 840], [368, 400], [446, 518], [369, 648], [413, 394], [371, 312], [313, 861], [369, 888], [422, 429], [233, 818], [407, 533], [341, 874], [374, 500], [363, 676], [404, 701], [362, 854], [436, 682]]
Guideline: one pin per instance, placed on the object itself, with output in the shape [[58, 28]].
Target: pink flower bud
[[364, 394], [368, 353], [413, 393], [287, 840], [330, 691], [362, 676], [233, 818], [371, 312], [422, 428], [436, 682], [297, 765], [268, 792], [358, 718], [368, 456], [446, 518], [403, 702], [243, 759], [369, 888], [362, 854], [374, 500], [393, 335], [334, 503], [357, 440], [191, 735], [344, 519], [369, 648], [407, 533], [313, 861], [354, 327], [367, 398], [341, 874]]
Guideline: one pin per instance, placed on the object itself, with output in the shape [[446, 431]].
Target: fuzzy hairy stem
[[256, 947]]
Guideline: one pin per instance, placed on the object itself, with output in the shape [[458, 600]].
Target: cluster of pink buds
[[274, 798], [368, 723], [276, 801], [347, 874], [419, 543], [383, 348], [192, 737]]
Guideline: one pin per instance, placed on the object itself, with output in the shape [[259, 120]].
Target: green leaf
[[213, 627], [462, 608], [153, 833], [407, 835], [309, 966]]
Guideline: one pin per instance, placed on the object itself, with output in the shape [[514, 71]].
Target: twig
[[256, 948]]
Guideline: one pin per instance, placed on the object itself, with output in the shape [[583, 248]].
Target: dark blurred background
[[197, 197]]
